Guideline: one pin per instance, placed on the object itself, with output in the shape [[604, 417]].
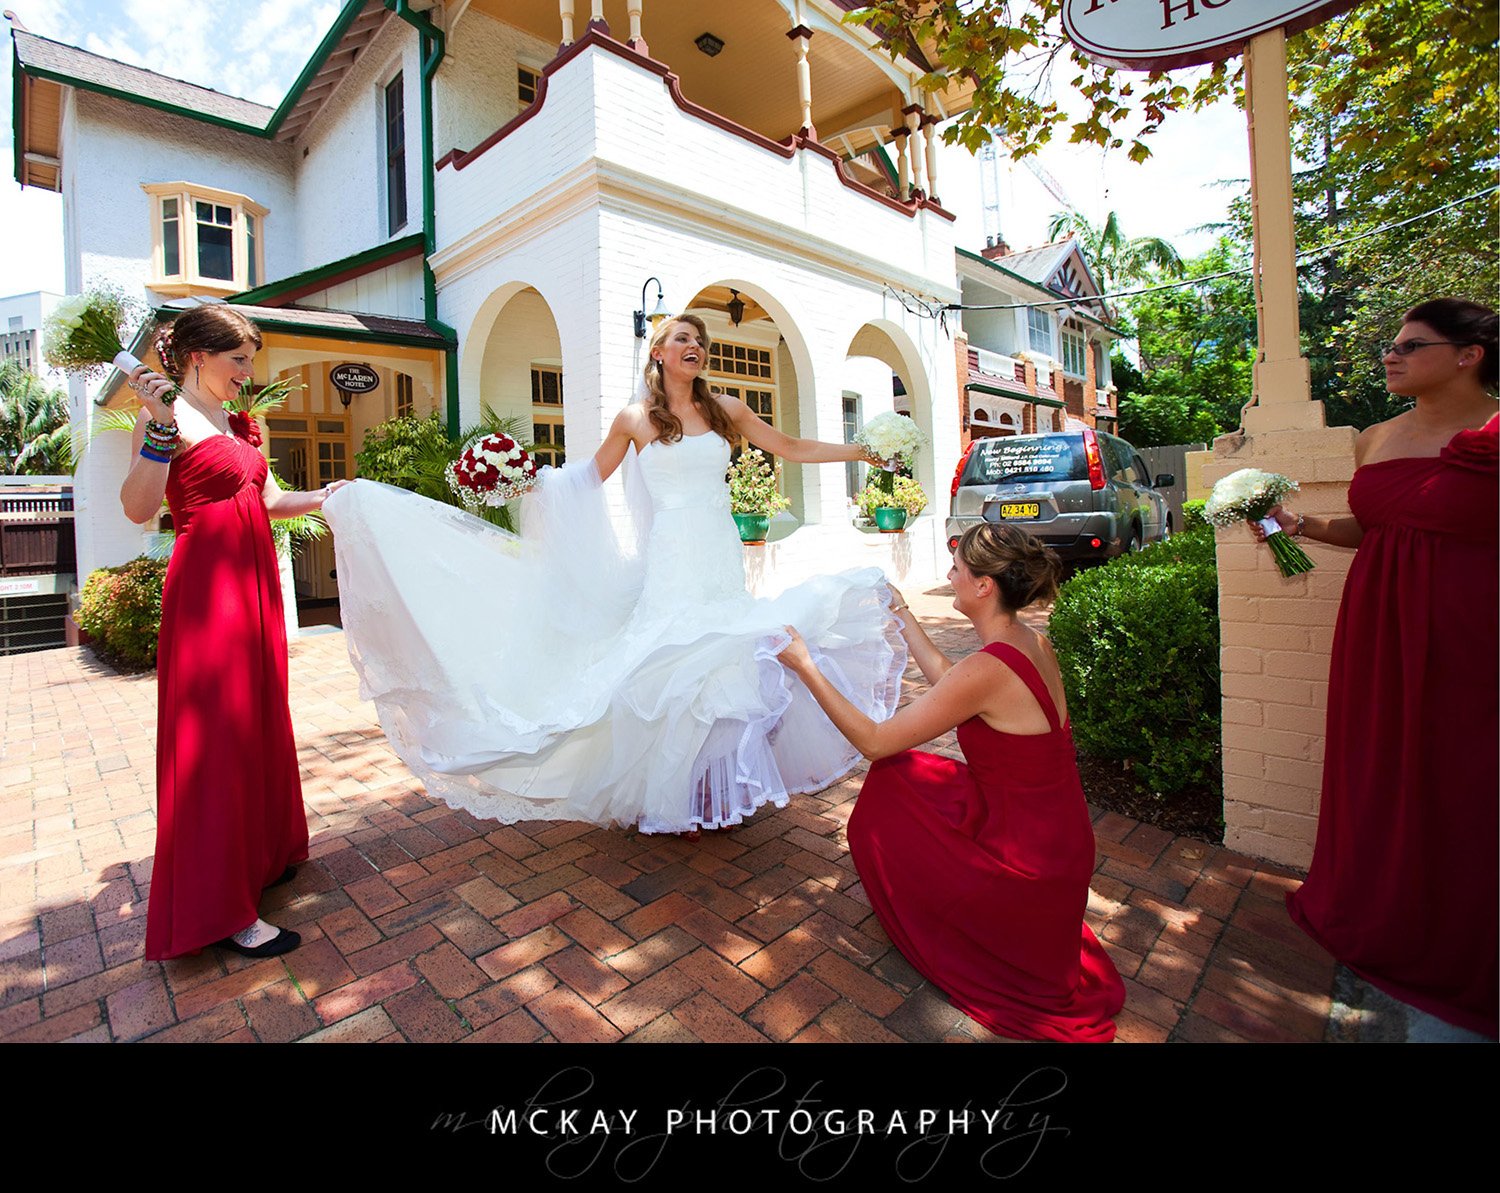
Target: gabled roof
[[1044, 268], [1059, 266], [43, 58], [44, 66]]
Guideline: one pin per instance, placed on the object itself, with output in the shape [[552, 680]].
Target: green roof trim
[[298, 328], [15, 108], [351, 10], [1054, 300], [37, 72], [996, 391], [346, 17], [404, 246]]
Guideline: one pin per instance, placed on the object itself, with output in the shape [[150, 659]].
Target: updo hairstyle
[[212, 327], [1022, 568], [1464, 323]]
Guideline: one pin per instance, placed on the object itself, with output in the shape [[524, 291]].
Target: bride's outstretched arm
[[800, 451]]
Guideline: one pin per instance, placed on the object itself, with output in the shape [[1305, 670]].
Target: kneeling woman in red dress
[[229, 817], [979, 873]]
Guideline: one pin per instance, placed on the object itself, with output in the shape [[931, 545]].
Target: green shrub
[[1192, 515], [393, 451], [1192, 546], [120, 610], [1138, 641]]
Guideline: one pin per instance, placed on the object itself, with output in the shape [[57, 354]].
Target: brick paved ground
[[421, 923]]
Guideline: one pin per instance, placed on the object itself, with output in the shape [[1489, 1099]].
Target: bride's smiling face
[[681, 352]]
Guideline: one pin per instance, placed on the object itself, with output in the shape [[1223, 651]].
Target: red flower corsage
[[245, 427], [1478, 450]]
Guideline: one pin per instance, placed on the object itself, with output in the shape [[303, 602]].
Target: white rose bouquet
[[84, 334], [491, 470], [891, 436], [1247, 496]]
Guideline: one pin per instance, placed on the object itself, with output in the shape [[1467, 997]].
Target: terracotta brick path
[[421, 923]]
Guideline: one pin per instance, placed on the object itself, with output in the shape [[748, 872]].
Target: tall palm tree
[[1116, 261], [34, 432]]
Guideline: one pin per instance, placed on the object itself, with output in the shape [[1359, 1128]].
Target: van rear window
[[1032, 458]]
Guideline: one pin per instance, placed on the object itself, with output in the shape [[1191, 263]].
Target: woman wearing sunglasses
[[1403, 883]]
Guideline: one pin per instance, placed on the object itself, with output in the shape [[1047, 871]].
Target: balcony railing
[[608, 121]]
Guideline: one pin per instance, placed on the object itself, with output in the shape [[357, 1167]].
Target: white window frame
[[1075, 349], [187, 279], [1035, 318]]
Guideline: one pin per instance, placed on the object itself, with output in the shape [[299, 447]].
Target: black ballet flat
[[286, 876], [284, 941]]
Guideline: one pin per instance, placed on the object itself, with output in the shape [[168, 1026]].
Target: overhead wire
[[932, 310]]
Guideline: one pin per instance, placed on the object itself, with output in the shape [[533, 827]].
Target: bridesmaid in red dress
[[1403, 886], [229, 820], [979, 873]]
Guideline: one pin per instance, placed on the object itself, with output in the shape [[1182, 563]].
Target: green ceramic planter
[[890, 519], [753, 527]]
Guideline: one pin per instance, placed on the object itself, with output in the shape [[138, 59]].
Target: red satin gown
[[1403, 885], [980, 874], [229, 816]]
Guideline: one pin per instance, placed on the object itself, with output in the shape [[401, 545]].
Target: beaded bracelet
[[160, 441], [161, 437]]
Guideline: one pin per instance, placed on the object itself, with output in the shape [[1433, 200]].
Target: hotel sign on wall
[[1164, 34]]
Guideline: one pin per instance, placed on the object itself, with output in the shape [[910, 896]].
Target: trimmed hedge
[[1138, 641], [120, 610]]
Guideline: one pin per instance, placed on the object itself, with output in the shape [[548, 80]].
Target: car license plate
[[1020, 509]]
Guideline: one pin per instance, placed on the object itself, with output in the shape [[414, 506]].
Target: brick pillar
[[1277, 634]]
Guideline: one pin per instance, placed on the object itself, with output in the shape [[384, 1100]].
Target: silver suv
[[1084, 493]]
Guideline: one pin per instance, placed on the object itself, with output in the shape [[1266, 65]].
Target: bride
[[561, 675]]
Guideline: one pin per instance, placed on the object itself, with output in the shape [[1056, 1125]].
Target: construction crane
[[989, 184]]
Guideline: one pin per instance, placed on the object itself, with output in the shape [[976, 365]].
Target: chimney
[[994, 247]]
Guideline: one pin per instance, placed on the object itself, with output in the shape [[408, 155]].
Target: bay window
[[204, 240]]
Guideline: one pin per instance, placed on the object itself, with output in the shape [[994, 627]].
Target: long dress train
[[557, 676], [229, 816]]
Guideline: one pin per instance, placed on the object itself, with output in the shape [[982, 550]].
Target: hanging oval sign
[[1163, 34], [354, 379]]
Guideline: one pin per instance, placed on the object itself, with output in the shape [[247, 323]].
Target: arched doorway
[[754, 356], [519, 372], [883, 371]]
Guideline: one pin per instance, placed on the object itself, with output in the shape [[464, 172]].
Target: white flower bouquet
[[891, 436], [84, 334], [1247, 496], [491, 470]]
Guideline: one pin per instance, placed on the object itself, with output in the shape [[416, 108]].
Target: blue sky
[[259, 52]]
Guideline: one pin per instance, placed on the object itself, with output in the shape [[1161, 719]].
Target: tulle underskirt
[[521, 682]]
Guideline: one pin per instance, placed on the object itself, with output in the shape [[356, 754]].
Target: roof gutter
[[433, 47]]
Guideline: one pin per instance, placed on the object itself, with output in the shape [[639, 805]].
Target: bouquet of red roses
[[491, 470]]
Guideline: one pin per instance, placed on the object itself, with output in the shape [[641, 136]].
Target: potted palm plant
[[754, 496]]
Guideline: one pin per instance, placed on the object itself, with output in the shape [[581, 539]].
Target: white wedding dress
[[561, 675]]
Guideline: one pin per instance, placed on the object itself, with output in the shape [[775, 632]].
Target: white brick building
[[473, 199]]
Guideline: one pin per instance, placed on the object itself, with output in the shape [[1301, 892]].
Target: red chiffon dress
[[980, 874], [1403, 885], [229, 816]]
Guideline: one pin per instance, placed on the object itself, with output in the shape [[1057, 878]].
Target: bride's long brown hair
[[667, 425]]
